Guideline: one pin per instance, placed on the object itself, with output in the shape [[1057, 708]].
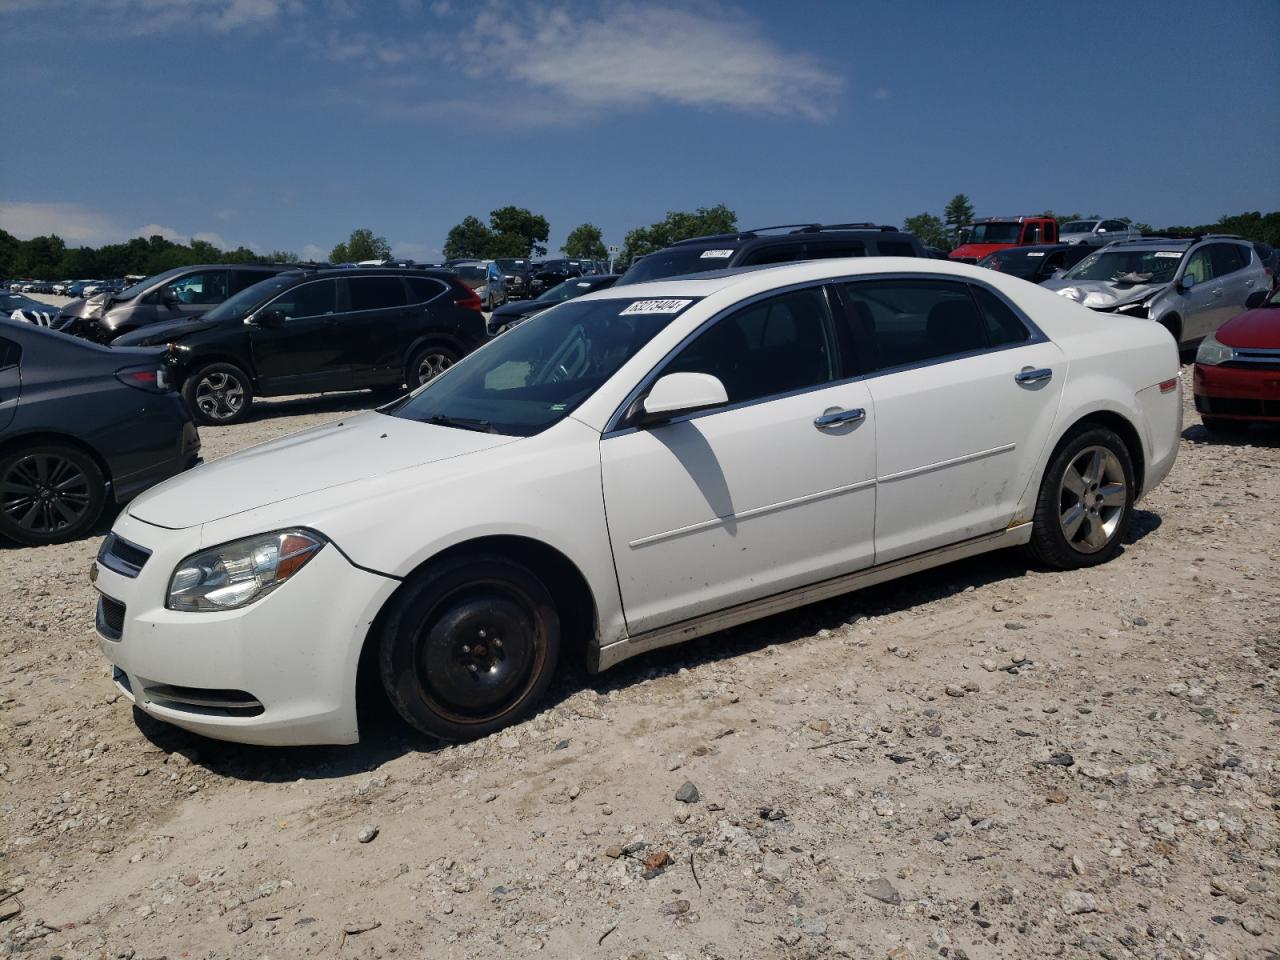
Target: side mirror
[[1186, 283], [269, 318], [680, 393], [169, 296]]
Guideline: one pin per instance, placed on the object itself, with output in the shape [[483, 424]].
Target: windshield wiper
[[462, 423]]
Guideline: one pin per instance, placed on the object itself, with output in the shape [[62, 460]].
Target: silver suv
[[1191, 287], [1097, 233]]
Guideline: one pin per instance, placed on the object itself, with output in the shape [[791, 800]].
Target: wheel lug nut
[[466, 650], [481, 634], [472, 667], [497, 642]]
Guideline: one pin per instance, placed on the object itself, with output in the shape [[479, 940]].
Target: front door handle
[[1029, 375], [836, 417]]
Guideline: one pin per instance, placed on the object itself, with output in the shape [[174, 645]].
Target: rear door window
[[376, 293], [897, 323], [1226, 258], [896, 248], [208, 286]]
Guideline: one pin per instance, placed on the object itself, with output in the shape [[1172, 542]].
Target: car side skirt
[[614, 653]]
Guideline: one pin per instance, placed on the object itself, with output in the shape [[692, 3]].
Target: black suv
[[172, 295], [808, 241], [308, 331]]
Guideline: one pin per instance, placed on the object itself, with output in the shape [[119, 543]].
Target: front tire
[[469, 647], [1085, 500], [218, 394], [49, 494]]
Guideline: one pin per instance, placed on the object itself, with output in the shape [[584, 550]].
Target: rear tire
[[429, 362], [49, 494], [1085, 500], [218, 394], [469, 646]]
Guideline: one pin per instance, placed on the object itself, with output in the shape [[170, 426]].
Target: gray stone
[[687, 793], [882, 890], [367, 833], [1076, 902]]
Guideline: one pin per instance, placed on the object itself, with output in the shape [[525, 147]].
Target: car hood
[[977, 250], [358, 448], [164, 332], [1258, 329], [1103, 294], [520, 308]]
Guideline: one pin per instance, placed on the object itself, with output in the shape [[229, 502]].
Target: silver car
[[1097, 233], [1191, 287]]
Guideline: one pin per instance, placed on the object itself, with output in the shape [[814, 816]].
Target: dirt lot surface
[[983, 761]]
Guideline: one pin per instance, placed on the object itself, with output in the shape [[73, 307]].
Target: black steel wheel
[[469, 646], [49, 494]]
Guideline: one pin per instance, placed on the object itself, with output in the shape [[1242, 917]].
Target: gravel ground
[[983, 761]]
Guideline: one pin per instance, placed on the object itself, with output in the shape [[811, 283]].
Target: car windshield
[[473, 273], [1079, 226], [995, 233], [676, 262], [247, 300], [1127, 266], [537, 373], [565, 291], [142, 286], [513, 266]]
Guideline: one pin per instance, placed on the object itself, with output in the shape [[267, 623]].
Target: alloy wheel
[[45, 494], [1092, 499], [219, 396], [432, 365]]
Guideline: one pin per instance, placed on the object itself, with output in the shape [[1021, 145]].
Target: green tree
[[678, 225], [959, 213], [361, 245], [521, 232], [470, 238], [930, 229], [585, 241], [282, 256]]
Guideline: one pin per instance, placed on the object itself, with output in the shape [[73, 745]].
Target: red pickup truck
[[996, 233]]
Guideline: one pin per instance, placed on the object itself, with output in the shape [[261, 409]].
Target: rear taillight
[[469, 300], [152, 379]]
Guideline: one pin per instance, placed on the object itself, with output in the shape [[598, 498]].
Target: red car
[[1237, 373]]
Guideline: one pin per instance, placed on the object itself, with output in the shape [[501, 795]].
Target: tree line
[[509, 232], [944, 232]]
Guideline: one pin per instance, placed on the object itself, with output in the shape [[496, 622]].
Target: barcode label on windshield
[[1041, 254], [1168, 253], [716, 254], [656, 306]]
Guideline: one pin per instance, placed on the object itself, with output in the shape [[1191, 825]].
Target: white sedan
[[627, 470]]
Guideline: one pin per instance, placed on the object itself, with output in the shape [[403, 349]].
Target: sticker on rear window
[[1168, 253], [1041, 254], [656, 306], [707, 254]]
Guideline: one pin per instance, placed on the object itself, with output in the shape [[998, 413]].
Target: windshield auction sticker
[[716, 254], [656, 306], [1168, 253]]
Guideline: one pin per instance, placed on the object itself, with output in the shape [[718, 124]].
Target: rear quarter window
[[896, 248], [422, 289]]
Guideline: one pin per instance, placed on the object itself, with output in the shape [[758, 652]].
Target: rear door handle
[[836, 417], [1033, 375]]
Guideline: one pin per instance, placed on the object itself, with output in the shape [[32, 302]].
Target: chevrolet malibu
[[627, 470]]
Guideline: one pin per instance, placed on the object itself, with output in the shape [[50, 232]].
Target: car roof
[[772, 276]]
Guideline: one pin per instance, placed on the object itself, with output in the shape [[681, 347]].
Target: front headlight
[[1212, 353], [241, 572], [1138, 309]]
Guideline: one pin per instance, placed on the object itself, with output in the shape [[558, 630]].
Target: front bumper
[[1238, 393], [278, 672]]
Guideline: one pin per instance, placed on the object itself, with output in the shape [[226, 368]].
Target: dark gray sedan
[[81, 424]]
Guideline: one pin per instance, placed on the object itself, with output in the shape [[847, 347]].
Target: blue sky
[[284, 124]]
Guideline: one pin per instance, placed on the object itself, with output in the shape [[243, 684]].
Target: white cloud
[[148, 17], [209, 237], [73, 222], [313, 252], [423, 252], [633, 56], [880, 93], [159, 230], [226, 213]]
